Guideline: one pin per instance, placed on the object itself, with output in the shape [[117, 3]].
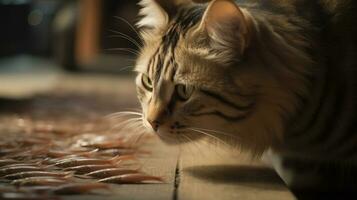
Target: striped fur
[[291, 89]]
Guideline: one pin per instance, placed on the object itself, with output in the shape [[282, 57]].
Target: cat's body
[[275, 74]]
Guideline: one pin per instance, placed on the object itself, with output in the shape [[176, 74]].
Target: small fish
[[83, 169], [39, 181], [105, 173], [72, 162], [28, 174], [107, 145], [115, 152], [16, 169], [78, 188], [19, 164], [130, 178], [61, 154], [6, 162]]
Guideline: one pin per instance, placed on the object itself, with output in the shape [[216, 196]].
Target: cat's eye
[[147, 83], [184, 91]]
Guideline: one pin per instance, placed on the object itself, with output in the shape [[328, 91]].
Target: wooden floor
[[194, 171]]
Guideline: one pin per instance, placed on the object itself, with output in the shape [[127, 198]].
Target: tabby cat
[[266, 76]]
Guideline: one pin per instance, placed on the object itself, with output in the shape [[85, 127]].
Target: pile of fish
[[44, 162]]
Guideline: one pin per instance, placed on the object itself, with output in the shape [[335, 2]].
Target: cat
[[276, 76]]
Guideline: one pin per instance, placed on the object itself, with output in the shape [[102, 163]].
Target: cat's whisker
[[135, 133], [140, 135], [122, 113], [225, 134], [139, 131], [139, 126], [209, 135], [132, 109], [124, 36], [121, 116], [133, 51], [203, 148], [119, 119], [131, 125], [195, 144], [125, 122], [217, 132], [130, 25], [126, 68]]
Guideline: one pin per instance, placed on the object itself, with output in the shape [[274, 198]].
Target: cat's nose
[[154, 124]]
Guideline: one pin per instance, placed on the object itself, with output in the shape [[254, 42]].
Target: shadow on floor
[[250, 176]]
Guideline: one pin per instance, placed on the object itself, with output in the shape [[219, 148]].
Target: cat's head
[[198, 75]]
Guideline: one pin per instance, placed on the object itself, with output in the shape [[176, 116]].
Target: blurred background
[[76, 34], [40, 38]]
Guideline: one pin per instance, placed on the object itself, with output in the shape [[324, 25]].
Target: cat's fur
[[274, 74]]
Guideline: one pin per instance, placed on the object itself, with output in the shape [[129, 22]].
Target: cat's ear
[[157, 13], [226, 27]]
